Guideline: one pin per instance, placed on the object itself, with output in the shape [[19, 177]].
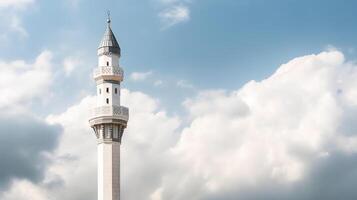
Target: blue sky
[[222, 44], [228, 99]]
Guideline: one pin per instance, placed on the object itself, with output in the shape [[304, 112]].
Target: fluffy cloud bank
[[290, 136], [21, 81], [26, 140], [268, 139], [72, 174]]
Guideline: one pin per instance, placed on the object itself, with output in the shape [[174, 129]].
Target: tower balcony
[[108, 73], [109, 114]]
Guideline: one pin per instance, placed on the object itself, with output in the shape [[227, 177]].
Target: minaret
[[109, 118]]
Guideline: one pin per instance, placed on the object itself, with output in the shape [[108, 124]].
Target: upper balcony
[[108, 73], [99, 114]]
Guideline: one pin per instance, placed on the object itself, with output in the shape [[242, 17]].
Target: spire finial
[[108, 20]]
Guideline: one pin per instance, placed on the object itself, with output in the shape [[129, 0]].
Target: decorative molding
[[109, 73], [107, 133], [120, 112]]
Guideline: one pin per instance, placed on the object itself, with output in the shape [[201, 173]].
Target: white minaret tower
[[109, 118]]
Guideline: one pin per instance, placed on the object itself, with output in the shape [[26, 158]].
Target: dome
[[109, 44]]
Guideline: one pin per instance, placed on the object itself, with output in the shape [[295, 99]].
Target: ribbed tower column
[[109, 118]]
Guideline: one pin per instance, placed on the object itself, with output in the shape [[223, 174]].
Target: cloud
[[23, 190], [10, 25], [291, 136], [283, 137], [10, 20], [27, 141], [18, 4], [17, 26], [140, 76], [270, 139], [174, 15], [184, 84], [158, 83], [149, 132], [77, 147], [21, 81], [169, 1], [70, 63], [25, 144]]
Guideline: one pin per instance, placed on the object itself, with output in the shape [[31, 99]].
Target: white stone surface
[[112, 59], [107, 91], [109, 171]]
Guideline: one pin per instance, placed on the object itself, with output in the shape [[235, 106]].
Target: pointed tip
[[108, 19]]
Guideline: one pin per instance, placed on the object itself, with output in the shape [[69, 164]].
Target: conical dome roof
[[109, 43]]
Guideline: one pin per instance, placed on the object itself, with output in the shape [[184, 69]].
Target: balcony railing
[[108, 71], [118, 112]]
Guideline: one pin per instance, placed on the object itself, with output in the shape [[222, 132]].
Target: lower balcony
[[109, 114]]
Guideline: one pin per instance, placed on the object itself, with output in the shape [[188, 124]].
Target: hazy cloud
[[70, 63], [158, 83], [184, 84], [140, 76], [15, 3], [10, 19], [174, 15]]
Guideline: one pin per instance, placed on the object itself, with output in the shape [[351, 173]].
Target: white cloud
[[158, 83], [21, 84], [266, 132], [23, 189], [20, 81], [184, 84], [11, 25], [273, 131], [18, 4], [267, 140], [174, 15], [169, 1], [10, 20], [140, 76], [70, 63], [17, 26]]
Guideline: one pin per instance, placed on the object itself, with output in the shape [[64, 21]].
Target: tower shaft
[[109, 171]]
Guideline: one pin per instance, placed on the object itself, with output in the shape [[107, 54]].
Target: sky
[[228, 99]]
